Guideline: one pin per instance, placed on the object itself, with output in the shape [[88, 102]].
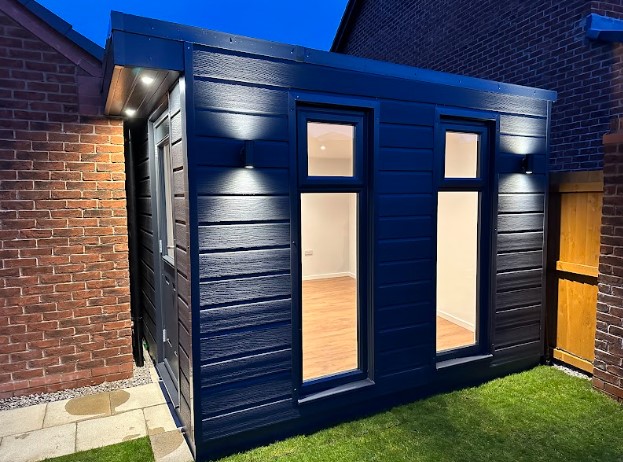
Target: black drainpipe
[[133, 246]]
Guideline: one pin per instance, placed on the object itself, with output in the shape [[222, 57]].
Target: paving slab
[[76, 409], [21, 420], [114, 429], [39, 444], [159, 419], [170, 447], [136, 398]]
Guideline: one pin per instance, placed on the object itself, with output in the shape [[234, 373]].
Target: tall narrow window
[[167, 183], [332, 236], [459, 227]]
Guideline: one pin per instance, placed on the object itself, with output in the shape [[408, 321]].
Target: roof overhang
[[604, 28], [141, 45], [138, 70]]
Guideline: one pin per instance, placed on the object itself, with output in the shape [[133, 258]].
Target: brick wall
[[64, 288], [539, 43], [608, 374]]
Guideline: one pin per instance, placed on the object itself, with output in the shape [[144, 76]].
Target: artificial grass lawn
[[138, 450], [539, 415]]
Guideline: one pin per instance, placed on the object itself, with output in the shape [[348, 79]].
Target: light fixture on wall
[[527, 164], [248, 153], [130, 112]]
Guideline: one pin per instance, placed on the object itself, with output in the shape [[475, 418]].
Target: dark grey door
[[166, 247]]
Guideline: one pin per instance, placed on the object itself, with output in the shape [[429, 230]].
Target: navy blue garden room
[[315, 236]]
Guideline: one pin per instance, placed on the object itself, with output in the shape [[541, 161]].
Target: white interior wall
[[328, 227], [457, 257]]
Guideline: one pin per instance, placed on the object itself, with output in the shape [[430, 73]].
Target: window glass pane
[[457, 269], [167, 184], [330, 149], [329, 273], [462, 151]]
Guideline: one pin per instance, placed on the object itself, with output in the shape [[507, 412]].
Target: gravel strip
[[140, 376], [571, 371]]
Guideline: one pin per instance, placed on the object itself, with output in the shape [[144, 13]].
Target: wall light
[[248, 153], [147, 79], [130, 112], [527, 164]]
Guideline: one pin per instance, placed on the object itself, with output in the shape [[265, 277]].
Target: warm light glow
[[130, 112], [147, 80], [323, 148]]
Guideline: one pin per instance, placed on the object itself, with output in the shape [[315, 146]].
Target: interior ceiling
[[330, 141]]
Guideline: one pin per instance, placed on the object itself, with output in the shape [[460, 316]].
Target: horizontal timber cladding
[[244, 236], [518, 329]]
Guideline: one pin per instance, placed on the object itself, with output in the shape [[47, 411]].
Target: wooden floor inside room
[[451, 335], [330, 328]]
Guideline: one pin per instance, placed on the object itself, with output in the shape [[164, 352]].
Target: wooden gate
[[574, 230]]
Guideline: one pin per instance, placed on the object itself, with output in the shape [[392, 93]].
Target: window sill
[[336, 391], [462, 361]]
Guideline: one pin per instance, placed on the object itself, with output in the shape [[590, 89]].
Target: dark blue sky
[[311, 23]]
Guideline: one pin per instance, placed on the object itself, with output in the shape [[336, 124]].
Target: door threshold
[[168, 383]]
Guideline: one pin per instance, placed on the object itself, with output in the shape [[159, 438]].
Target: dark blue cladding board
[[216, 320], [231, 291], [404, 337], [523, 126], [403, 249], [241, 126], [244, 236], [240, 98], [404, 271], [242, 181], [405, 160], [520, 222], [403, 293], [521, 203], [405, 205], [404, 182], [245, 343], [222, 152], [403, 315], [519, 279], [248, 367], [405, 136], [245, 393], [518, 261], [395, 112], [244, 263], [241, 209], [514, 242], [404, 227], [250, 419], [518, 298]]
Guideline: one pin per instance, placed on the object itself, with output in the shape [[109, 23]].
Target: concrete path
[[48, 430]]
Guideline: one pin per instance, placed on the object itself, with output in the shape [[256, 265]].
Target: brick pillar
[[608, 373]]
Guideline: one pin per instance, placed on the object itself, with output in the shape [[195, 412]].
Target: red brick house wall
[[539, 43], [64, 287], [608, 373]]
